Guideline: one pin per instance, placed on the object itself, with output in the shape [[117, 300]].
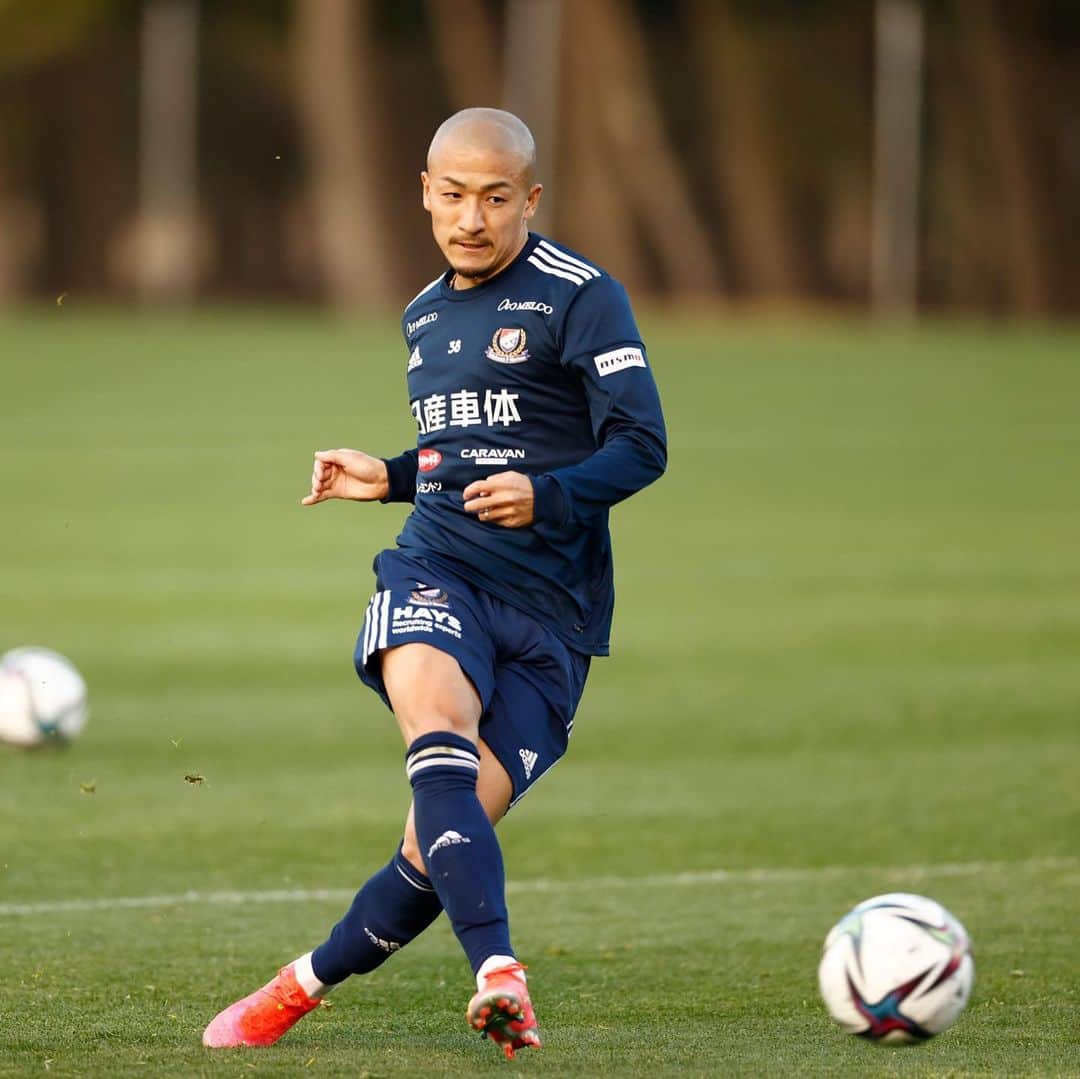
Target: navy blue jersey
[[539, 370]]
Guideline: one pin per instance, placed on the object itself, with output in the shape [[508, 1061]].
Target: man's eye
[[451, 194], [497, 199]]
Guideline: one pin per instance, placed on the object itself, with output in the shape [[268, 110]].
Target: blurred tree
[[165, 242], [673, 132], [17, 226], [339, 109], [32, 34], [609, 76], [594, 211], [898, 62], [469, 52], [530, 89], [992, 63], [742, 143]]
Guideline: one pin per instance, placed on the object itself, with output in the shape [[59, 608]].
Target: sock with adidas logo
[[396, 905], [458, 842]]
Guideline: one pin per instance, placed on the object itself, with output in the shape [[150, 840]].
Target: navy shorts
[[528, 681]]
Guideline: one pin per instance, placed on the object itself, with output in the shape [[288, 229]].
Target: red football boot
[[502, 1011], [262, 1017]]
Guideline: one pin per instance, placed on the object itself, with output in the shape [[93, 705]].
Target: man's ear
[[425, 185], [532, 200]]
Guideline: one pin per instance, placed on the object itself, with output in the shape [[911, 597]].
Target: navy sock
[[458, 842], [397, 904]]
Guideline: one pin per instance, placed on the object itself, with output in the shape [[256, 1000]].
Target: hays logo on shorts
[[429, 460], [607, 363], [417, 618], [508, 346]]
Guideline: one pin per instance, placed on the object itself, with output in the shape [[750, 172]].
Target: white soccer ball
[[897, 968], [42, 698]]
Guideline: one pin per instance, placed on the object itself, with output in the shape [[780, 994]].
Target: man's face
[[480, 202]]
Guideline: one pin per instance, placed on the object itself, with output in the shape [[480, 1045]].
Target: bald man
[[536, 411]]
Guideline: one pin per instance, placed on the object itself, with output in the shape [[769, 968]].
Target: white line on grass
[[887, 875]]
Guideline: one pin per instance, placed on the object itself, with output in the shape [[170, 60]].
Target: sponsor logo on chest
[[423, 320], [464, 408], [526, 305], [492, 456], [429, 460]]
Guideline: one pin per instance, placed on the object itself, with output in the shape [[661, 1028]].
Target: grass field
[[846, 660]]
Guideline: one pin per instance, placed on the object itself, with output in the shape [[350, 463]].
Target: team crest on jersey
[[508, 346], [423, 596]]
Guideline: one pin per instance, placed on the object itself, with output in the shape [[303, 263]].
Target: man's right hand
[[347, 474]]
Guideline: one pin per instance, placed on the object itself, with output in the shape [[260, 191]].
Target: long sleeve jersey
[[539, 370]]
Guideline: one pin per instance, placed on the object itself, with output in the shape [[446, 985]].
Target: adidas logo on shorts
[[529, 759]]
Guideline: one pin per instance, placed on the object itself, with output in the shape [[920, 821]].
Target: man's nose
[[472, 217]]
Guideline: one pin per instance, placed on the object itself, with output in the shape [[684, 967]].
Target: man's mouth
[[471, 245]]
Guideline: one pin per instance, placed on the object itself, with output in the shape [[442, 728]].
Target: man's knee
[[410, 850], [494, 790], [429, 692], [431, 720]]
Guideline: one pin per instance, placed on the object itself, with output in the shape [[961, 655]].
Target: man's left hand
[[503, 499]]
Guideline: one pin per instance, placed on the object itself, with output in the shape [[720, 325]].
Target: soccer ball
[[42, 698], [897, 968]]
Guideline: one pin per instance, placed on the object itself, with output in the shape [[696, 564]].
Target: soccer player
[[536, 412]]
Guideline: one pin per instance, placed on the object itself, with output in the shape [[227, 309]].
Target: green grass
[[846, 646]]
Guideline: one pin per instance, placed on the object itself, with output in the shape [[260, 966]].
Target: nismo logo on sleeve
[[607, 363]]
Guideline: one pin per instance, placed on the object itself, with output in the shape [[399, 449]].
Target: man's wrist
[[400, 478], [549, 501], [384, 484]]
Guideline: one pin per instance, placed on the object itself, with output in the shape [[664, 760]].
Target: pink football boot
[[262, 1017], [503, 1012]]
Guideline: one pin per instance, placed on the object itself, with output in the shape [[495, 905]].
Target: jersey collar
[[456, 295]]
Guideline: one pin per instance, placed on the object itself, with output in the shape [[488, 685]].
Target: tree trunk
[[469, 52], [898, 53], [531, 86], [1001, 102], [166, 237], [18, 237], [594, 213], [632, 138], [334, 62], [742, 140]]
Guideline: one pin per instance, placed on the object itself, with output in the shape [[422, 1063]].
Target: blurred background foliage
[[725, 150]]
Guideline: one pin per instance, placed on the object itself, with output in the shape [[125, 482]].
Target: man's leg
[[399, 896], [438, 710], [397, 904]]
